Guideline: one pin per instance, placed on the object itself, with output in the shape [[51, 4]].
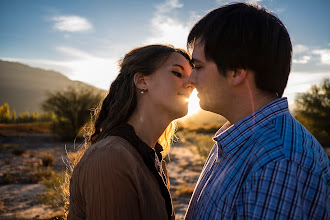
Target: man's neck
[[248, 105]]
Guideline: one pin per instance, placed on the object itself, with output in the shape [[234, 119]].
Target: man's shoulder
[[285, 138]]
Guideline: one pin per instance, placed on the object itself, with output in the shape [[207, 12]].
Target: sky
[[84, 39]]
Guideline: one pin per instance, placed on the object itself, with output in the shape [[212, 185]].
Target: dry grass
[[64, 188], [185, 190], [47, 160], [2, 207], [204, 129], [200, 143], [52, 180], [25, 128]]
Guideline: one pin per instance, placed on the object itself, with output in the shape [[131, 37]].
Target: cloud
[[166, 28], [299, 48], [324, 55], [72, 52], [168, 6], [71, 23], [301, 54], [222, 2], [302, 60]]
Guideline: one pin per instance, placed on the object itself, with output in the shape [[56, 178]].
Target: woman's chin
[[182, 112]]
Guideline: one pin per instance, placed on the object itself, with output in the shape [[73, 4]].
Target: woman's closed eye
[[177, 74]]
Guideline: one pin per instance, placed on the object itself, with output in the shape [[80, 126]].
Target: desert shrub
[[18, 150], [52, 180], [7, 178], [312, 109], [4, 147], [72, 108], [47, 160]]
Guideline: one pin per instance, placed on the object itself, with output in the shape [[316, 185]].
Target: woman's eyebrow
[[178, 66]]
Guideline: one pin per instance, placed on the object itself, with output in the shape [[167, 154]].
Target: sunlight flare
[[193, 106]]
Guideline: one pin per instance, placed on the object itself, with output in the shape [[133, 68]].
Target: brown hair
[[247, 36], [121, 100]]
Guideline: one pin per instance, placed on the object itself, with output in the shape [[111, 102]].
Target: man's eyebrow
[[178, 66]]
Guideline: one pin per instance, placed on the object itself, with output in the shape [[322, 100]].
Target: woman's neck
[[148, 126]]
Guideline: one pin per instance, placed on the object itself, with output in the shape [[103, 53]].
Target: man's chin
[[206, 107]]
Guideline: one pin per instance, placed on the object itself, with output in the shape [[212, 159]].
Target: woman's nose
[[193, 78]]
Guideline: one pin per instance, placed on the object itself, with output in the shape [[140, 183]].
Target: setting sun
[[193, 106]]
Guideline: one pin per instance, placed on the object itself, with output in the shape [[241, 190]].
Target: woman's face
[[169, 87]]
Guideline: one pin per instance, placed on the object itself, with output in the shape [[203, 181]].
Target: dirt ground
[[19, 200]]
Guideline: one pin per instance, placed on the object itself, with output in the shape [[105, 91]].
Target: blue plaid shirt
[[267, 166]]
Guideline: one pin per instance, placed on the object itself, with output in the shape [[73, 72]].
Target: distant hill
[[24, 88]]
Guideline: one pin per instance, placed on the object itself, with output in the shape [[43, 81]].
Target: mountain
[[24, 87]]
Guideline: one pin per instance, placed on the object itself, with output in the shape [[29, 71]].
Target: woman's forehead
[[178, 60]]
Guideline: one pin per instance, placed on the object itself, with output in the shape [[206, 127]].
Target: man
[[264, 164]]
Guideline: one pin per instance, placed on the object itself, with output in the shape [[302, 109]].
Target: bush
[[47, 160], [18, 150], [313, 111], [72, 108]]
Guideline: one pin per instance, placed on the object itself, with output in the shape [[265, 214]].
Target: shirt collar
[[230, 137]]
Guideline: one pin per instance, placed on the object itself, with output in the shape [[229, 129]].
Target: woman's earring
[[142, 91]]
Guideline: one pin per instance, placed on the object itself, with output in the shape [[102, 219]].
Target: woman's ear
[[239, 76], [139, 81]]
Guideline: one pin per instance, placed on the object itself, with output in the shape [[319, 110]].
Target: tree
[[72, 108], [13, 116], [313, 111], [4, 113], [24, 117]]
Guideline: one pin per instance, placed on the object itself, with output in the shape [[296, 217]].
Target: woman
[[123, 175]]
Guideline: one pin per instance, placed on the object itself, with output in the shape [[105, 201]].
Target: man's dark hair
[[249, 37]]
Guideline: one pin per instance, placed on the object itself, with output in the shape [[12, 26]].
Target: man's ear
[[139, 81], [239, 76]]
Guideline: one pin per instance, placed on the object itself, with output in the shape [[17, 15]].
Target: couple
[[264, 164]]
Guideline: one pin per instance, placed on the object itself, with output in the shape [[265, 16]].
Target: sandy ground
[[184, 168], [19, 201]]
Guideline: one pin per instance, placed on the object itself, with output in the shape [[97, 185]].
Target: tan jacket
[[111, 181]]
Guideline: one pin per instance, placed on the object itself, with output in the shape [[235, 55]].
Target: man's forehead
[[198, 53]]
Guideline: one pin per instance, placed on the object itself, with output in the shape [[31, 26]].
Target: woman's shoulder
[[110, 151]]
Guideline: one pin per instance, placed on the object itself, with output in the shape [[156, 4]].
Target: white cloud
[[222, 2], [299, 48], [167, 29], [302, 60], [168, 6], [73, 52], [71, 23], [324, 55]]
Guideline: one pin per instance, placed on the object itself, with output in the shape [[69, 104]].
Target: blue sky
[[85, 39]]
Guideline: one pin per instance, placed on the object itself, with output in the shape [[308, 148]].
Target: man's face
[[213, 88]]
